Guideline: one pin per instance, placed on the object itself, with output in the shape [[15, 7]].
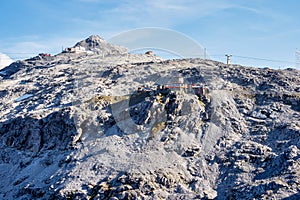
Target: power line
[[297, 62], [23, 55], [265, 59]]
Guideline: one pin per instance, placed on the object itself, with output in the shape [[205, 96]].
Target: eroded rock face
[[97, 44], [29, 134], [90, 126]]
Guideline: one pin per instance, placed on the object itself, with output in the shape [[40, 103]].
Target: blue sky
[[247, 29]]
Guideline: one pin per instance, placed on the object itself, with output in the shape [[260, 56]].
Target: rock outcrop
[[97, 44]]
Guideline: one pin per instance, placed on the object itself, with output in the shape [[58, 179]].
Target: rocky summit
[[96, 122]]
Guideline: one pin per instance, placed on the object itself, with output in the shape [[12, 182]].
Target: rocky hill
[[101, 123]]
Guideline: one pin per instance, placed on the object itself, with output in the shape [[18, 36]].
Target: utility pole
[[204, 53], [228, 59]]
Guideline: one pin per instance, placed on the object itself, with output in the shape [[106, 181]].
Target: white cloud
[[168, 5], [4, 60], [89, 1], [131, 14], [20, 48], [165, 13]]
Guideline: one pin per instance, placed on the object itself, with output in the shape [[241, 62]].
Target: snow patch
[[4, 60], [25, 96]]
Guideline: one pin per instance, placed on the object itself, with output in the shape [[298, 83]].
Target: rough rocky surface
[[77, 126]]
